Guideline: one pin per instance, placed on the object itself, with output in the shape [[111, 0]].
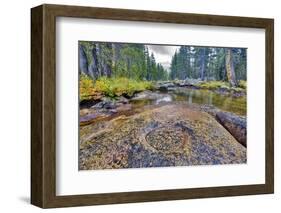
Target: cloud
[[166, 64], [161, 49], [163, 53]]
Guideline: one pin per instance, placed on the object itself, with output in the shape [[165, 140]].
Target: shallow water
[[224, 102]]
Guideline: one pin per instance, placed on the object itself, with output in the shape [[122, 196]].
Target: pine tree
[[134, 61]]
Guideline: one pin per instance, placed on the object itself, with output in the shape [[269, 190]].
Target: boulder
[[160, 136], [188, 82], [122, 100], [106, 103], [165, 86], [236, 125], [192, 82]]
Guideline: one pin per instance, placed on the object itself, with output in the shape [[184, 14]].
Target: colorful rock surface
[[158, 136]]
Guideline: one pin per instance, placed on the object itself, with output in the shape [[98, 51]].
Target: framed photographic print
[[136, 106]]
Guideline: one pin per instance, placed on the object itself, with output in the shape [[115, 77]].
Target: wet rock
[[123, 107], [92, 117], [88, 118], [106, 103], [84, 104], [113, 111], [166, 89], [236, 125], [122, 100], [163, 89], [110, 104]]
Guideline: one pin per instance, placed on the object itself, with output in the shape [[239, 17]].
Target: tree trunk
[[230, 67], [129, 67], [83, 62], [203, 63], [93, 68], [108, 60]]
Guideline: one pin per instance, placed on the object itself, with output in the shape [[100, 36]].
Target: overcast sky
[[163, 53]]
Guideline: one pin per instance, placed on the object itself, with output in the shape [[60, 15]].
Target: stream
[[225, 102]]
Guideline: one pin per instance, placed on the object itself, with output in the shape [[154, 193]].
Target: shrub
[[112, 87], [86, 87]]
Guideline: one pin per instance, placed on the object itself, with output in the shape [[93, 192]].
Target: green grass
[[111, 87], [213, 85]]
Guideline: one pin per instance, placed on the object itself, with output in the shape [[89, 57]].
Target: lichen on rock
[[160, 136]]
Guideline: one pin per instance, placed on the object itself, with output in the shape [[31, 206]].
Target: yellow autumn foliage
[[86, 87], [111, 87]]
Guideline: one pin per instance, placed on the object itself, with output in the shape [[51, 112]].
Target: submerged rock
[[166, 135], [236, 125]]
